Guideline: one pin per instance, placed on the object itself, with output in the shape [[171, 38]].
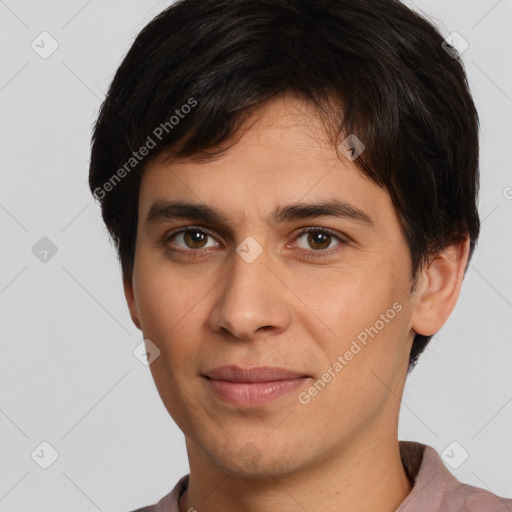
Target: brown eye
[[191, 239], [195, 239], [318, 239]]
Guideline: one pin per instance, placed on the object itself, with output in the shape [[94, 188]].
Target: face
[[268, 272]]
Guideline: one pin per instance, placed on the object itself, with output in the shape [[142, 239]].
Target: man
[[292, 189]]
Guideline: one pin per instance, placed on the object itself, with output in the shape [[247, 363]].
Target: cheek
[[362, 367], [163, 295], [361, 315], [340, 303], [170, 317]]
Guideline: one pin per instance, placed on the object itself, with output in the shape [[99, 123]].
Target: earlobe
[[130, 300], [439, 287]]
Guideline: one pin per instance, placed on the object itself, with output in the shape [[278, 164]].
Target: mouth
[[249, 375], [252, 387]]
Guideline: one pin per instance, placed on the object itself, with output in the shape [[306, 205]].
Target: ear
[[438, 288], [130, 300]]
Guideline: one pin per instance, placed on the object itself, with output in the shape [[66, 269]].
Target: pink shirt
[[435, 488]]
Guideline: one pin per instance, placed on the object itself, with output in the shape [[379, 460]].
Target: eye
[[318, 239], [315, 240], [191, 238]]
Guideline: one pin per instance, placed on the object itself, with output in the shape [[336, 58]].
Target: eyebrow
[[165, 210]]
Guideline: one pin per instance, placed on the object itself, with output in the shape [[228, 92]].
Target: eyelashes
[[194, 242]]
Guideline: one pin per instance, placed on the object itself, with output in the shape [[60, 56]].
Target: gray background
[[68, 375]]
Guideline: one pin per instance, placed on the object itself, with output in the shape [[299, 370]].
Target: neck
[[366, 475]]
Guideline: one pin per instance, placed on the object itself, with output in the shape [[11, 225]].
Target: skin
[[340, 451]]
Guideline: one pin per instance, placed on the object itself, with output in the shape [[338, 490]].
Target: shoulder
[[169, 503], [475, 499], [436, 489]]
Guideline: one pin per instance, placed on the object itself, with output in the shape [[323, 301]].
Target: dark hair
[[372, 68]]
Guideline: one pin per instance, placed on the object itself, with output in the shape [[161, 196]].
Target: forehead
[[281, 155]]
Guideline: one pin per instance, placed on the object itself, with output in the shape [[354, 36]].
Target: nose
[[251, 298]]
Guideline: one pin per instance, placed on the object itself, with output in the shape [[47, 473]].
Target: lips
[[252, 387], [257, 374]]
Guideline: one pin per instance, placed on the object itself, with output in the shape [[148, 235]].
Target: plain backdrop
[[68, 375]]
